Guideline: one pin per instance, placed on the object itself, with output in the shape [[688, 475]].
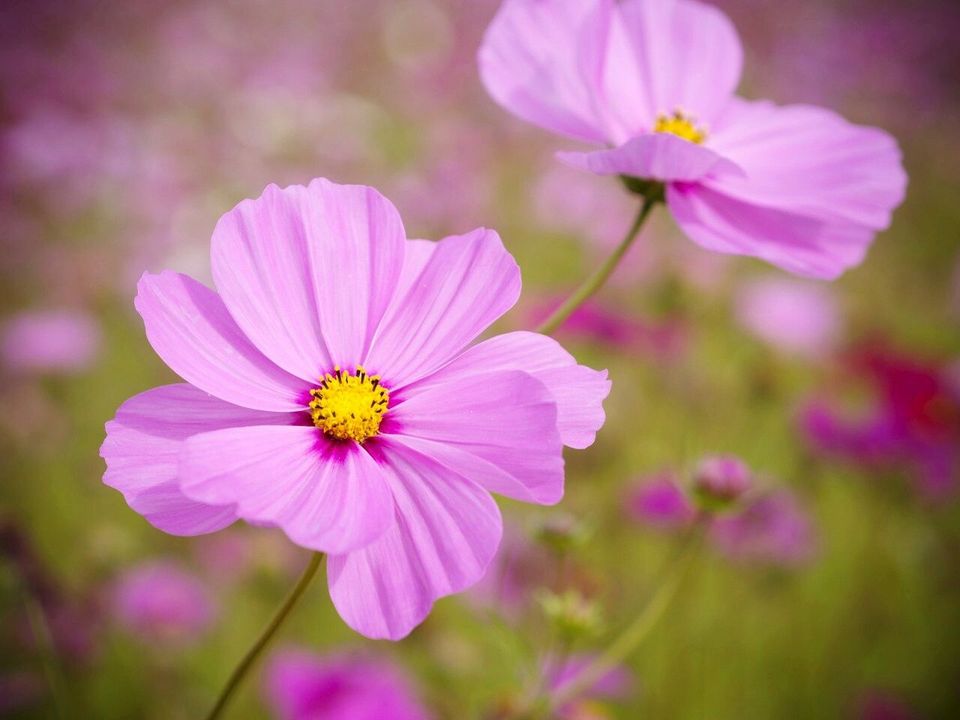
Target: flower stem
[[596, 281], [631, 638], [240, 672]]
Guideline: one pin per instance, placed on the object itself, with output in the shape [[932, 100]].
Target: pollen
[[349, 406], [682, 125]]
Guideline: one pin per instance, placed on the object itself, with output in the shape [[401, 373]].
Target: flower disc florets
[[349, 406], [682, 125]]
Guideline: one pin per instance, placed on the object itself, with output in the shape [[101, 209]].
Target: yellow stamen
[[349, 406], [681, 125]]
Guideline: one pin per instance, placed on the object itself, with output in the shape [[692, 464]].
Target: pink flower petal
[[191, 330], [654, 156], [468, 282], [417, 254], [142, 451], [507, 419], [307, 272], [810, 161], [798, 243], [447, 532], [326, 496], [688, 57], [578, 391], [542, 61]]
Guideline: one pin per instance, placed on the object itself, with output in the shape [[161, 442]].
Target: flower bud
[[572, 615], [721, 480], [562, 532]]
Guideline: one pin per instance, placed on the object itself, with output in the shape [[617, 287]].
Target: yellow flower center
[[349, 406], [682, 125]]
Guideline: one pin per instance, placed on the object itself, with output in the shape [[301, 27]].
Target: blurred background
[[833, 591]]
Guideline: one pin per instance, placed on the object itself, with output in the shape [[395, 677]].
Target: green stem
[[48, 653], [596, 281], [631, 638], [240, 672]]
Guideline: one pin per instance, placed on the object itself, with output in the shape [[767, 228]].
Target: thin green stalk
[[48, 653], [240, 672], [596, 281], [631, 638]]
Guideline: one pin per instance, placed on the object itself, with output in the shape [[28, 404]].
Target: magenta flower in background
[[332, 394], [653, 82], [301, 685], [883, 705], [616, 683], [914, 422], [50, 341], [722, 479], [598, 323], [772, 530], [520, 566], [796, 317], [162, 601], [660, 502]]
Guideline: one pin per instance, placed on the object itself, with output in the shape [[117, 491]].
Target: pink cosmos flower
[[616, 683], [333, 393], [913, 422], [653, 82], [300, 685], [50, 341], [162, 601], [661, 503], [797, 317], [774, 529]]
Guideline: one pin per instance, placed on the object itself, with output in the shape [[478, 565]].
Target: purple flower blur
[[914, 423], [162, 601], [660, 502], [301, 685], [616, 683], [50, 341], [654, 80], [796, 317], [332, 394], [773, 530]]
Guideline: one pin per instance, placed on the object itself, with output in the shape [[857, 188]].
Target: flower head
[[913, 421], [653, 81], [162, 601], [772, 530], [333, 392], [797, 317], [616, 683], [721, 480], [301, 685], [660, 502], [50, 341]]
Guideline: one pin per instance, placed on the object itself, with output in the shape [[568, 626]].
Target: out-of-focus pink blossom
[[596, 322], [301, 685], [19, 690], [797, 317], [660, 502], [883, 705], [616, 683], [722, 478], [162, 601], [914, 422], [651, 85], [519, 566], [50, 341], [772, 530]]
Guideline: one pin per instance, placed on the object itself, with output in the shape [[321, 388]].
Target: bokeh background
[[127, 129]]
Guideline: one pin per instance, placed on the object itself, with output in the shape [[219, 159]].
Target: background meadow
[[127, 129]]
